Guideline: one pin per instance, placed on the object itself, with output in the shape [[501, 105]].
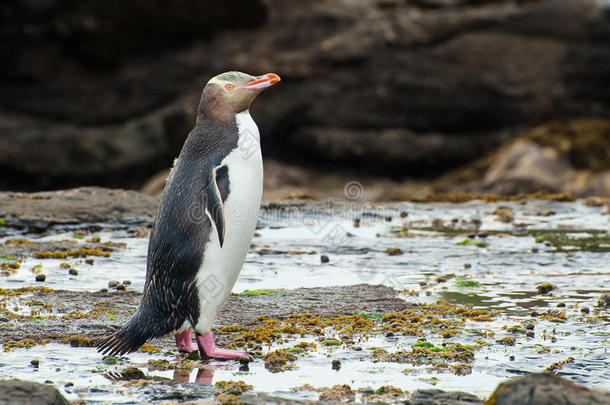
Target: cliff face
[[105, 94]]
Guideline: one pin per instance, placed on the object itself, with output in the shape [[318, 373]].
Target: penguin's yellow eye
[[229, 86]]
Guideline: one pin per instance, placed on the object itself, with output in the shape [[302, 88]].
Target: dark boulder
[[545, 389], [16, 392]]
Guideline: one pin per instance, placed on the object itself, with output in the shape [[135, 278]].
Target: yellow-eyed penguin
[[204, 224]]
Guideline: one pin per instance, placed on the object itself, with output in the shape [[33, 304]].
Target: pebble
[[89, 262], [324, 259], [530, 334], [389, 334], [104, 290], [534, 249], [41, 277], [356, 222], [336, 364], [584, 310], [511, 358], [530, 326], [120, 287], [561, 305], [553, 339], [404, 214], [35, 362], [604, 300], [126, 282], [113, 284], [69, 384], [388, 219], [467, 265], [74, 272]]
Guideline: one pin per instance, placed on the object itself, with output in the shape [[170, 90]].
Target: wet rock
[[439, 397], [279, 360], [41, 277], [324, 259], [73, 272], [394, 251], [113, 284], [38, 211], [545, 288], [336, 364], [338, 393], [546, 389], [604, 301], [120, 287], [35, 362], [16, 392]]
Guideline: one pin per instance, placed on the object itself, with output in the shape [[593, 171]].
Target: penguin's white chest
[[221, 265]]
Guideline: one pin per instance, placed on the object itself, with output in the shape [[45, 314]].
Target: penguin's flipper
[[215, 209]]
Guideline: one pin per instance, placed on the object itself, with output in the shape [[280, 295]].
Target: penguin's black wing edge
[[215, 208]]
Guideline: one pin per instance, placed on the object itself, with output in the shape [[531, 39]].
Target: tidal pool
[[468, 254]]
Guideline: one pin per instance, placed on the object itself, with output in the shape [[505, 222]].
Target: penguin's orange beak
[[262, 82]]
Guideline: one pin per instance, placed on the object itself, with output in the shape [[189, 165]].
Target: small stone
[[74, 272], [41, 277], [244, 367], [534, 249], [324, 259], [126, 282], [89, 262], [120, 287], [357, 348], [336, 364], [113, 284], [553, 339], [104, 290], [356, 222], [388, 219], [530, 326], [69, 384], [35, 362], [561, 305], [511, 357], [194, 355], [48, 382], [110, 360], [389, 334], [584, 310], [604, 301], [423, 283], [472, 236], [482, 235], [530, 334], [394, 251], [404, 214], [467, 265], [534, 313], [317, 331]]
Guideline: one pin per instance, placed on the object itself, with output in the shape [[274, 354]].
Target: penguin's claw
[[184, 342], [208, 348]]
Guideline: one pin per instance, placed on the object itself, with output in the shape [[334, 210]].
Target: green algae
[[266, 291]]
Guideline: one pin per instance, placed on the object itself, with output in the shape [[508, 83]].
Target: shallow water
[[286, 254]]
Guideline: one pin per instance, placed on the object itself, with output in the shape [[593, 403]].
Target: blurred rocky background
[[415, 97]]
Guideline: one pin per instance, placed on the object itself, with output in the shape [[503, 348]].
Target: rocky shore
[[80, 319]]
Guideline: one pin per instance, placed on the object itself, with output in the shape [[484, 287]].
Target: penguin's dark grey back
[[178, 237]]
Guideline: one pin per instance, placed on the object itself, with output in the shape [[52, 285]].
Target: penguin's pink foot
[[184, 342], [208, 347]]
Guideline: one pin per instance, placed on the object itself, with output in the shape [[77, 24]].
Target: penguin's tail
[[130, 337]]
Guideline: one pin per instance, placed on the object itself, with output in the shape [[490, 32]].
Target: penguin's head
[[230, 93]]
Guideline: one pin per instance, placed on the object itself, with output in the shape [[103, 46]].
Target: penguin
[[204, 223]]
